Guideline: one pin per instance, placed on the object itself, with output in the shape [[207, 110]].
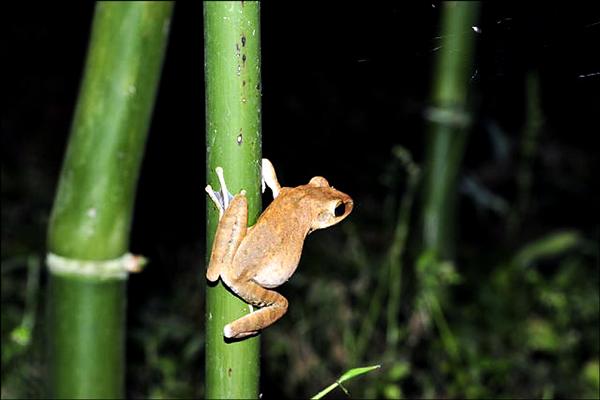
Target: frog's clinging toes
[[253, 260]]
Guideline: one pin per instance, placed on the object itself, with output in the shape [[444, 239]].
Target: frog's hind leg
[[274, 306], [230, 233]]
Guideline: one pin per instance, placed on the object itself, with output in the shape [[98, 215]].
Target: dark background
[[342, 85]]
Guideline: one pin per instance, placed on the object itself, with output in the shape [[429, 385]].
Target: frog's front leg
[[221, 198], [230, 233], [274, 306], [269, 177], [232, 228]]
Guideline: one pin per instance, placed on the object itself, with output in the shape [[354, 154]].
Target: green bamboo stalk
[[233, 141], [449, 120], [90, 220]]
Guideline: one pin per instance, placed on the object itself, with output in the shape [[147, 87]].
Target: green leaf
[[21, 335], [399, 371], [392, 392], [541, 335], [548, 246], [591, 374], [356, 372], [346, 376]]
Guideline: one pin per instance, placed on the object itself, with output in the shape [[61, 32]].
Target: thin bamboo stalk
[[233, 141], [449, 121], [92, 212]]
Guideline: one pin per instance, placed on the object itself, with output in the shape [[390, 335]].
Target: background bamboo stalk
[[233, 141], [449, 120], [92, 211]]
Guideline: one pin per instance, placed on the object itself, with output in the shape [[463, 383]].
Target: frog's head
[[329, 205]]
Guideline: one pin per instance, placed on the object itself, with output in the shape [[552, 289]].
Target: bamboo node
[[117, 268], [449, 116]]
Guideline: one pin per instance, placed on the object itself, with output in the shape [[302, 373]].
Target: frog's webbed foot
[[269, 178], [221, 198]]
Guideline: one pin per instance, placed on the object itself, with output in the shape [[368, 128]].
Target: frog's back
[[270, 252]]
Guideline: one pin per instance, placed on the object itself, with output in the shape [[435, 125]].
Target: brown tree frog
[[253, 260]]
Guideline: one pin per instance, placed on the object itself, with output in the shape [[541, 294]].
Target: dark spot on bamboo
[[229, 371], [243, 83], [244, 58], [258, 86], [243, 41]]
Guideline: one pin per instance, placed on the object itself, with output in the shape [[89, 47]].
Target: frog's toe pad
[[227, 331], [230, 333]]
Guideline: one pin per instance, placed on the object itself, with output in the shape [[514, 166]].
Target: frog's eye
[[340, 209], [343, 208]]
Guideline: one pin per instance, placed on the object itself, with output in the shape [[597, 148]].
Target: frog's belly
[[274, 274]]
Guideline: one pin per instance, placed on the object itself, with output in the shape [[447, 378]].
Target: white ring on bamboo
[[117, 268], [448, 116]]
